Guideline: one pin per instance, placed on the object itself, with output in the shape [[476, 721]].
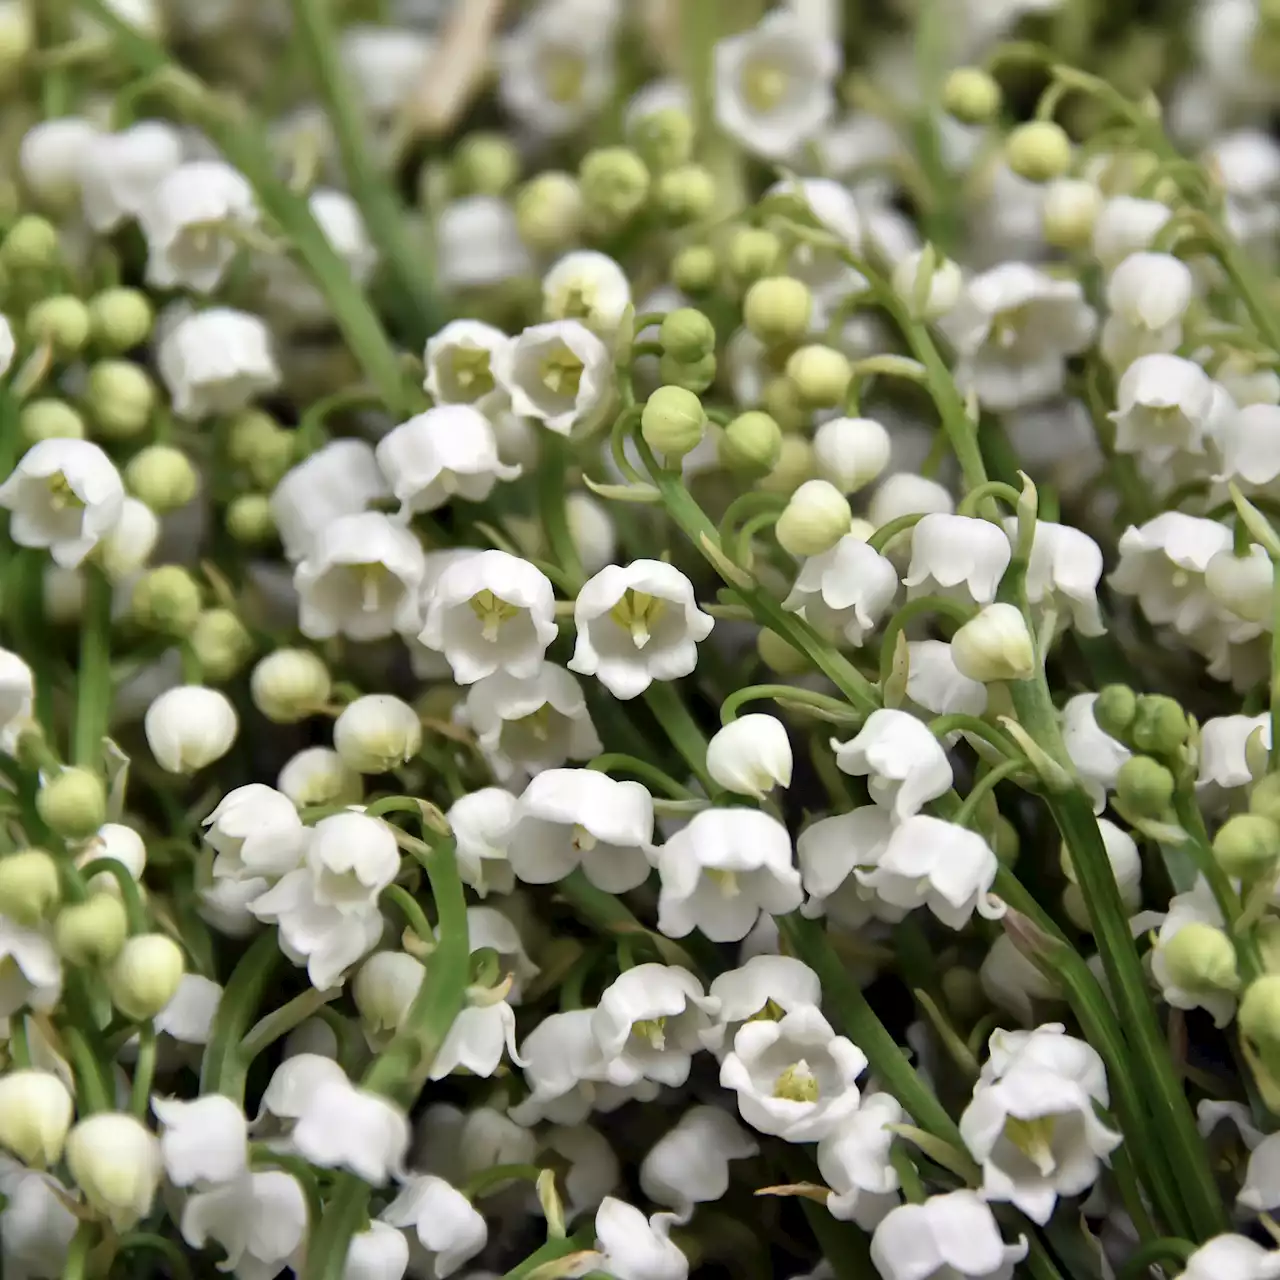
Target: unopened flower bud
[[751, 442], [385, 987], [851, 452], [376, 733], [120, 319], [995, 645], [1144, 787], [50, 419], [91, 933], [929, 285], [485, 164], [72, 803], [249, 520], [750, 756], [615, 183], [1259, 1014], [166, 600], [1038, 151], [815, 518], [62, 321], [1200, 958], [777, 309], [971, 95], [115, 1161], [685, 195], [1069, 212], [673, 422], [1115, 709], [145, 975], [549, 211], [221, 644], [189, 727], [35, 1116], [248, 433], [694, 269], [31, 244], [795, 465], [1246, 846], [17, 39], [783, 403], [1264, 799], [820, 374], [1159, 725], [663, 139], [695, 376], [1005, 841], [289, 685], [122, 398], [779, 655], [962, 990], [28, 886], [686, 334], [162, 477], [753, 253]]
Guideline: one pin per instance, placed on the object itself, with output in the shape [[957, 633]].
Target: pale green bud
[[1069, 212], [122, 397], [795, 465], [72, 803], [17, 40], [1145, 787], [145, 975], [221, 643], [971, 95], [120, 319], [50, 420], [821, 375], [1005, 841], [673, 422], [815, 518], [995, 645], [779, 655], [28, 886], [751, 442], [1264, 799], [1200, 958], [962, 990], [377, 733], [166, 600], [687, 335], [249, 433], [615, 183], [162, 477], [777, 309], [1159, 725], [249, 520], [694, 269], [116, 1162], [35, 1116], [91, 933], [686, 194], [1115, 709], [31, 244], [1259, 1014], [1247, 846], [753, 253], [782, 402], [289, 685], [695, 376], [62, 321], [272, 458], [385, 987], [485, 164], [1038, 151], [663, 139], [549, 211]]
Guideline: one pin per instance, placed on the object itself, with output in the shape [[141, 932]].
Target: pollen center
[[764, 84], [561, 372], [638, 612], [797, 1084], [1034, 1138]]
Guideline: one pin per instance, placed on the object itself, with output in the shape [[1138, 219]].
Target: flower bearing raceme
[[750, 756], [948, 1237], [903, 762], [689, 1165], [491, 612], [957, 556], [568, 818], [217, 362], [847, 589], [559, 373], [637, 623], [445, 1222], [635, 1247], [722, 870], [854, 1162]]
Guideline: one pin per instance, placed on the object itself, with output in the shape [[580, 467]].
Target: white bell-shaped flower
[[449, 451], [957, 556], [750, 756], [1224, 755], [359, 579], [121, 170], [489, 929], [579, 817], [948, 1237], [292, 1084], [1163, 564], [378, 1253], [319, 776], [1164, 406], [593, 1170], [31, 970], [524, 726], [255, 830], [36, 1227], [17, 692], [589, 286], [351, 858], [1126, 225], [936, 864], [481, 823], [259, 1221], [1097, 756], [935, 685], [377, 733], [491, 612], [795, 1077], [906, 494], [1148, 295], [190, 727], [387, 984], [36, 1110], [204, 1141], [1012, 982], [764, 985], [52, 156], [1248, 443], [1063, 574], [477, 241], [190, 218], [828, 852], [854, 1162], [459, 362], [846, 590], [115, 1161], [476, 1040], [65, 495], [188, 1017], [851, 452], [637, 623], [635, 1247], [341, 1126], [1126, 868], [559, 373], [444, 1221], [216, 362], [563, 1064], [721, 870], [689, 1164], [903, 762], [1234, 1256]]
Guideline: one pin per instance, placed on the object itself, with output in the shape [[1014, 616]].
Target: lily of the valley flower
[[846, 590], [750, 756], [380, 1252], [636, 1248], [259, 1221], [204, 1142], [689, 1165], [948, 1237], [588, 286], [765, 986], [476, 1039], [958, 556], [559, 373], [120, 170], [1234, 1256], [854, 1162], [341, 1126], [217, 362], [255, 830], [115, 1160], [481, 822], [1165, 406], [459, 362], [1063, 573], [444, 1221], [903, 762], [190, 727]]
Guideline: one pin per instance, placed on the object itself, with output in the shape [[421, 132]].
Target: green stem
[[144, 1070], [988, 782], [552, 466], [178, 1267], [550, 1252], [616, 761], [499, 1175], [1168, 1249], [681, 728], [135, 912], [279, 1022], [76, 1265], [784, 693], [222, 1069], [93, 689], [414, 916]]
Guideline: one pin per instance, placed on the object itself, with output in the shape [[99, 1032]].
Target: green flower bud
[[121, 397], [821, 375], [222, 644], [751, 442], [1145, 787], [549, 211], [779, 655], [248, 433], [673, 422], [1265, 797], [687, 335], [1006, 842], [1115, 709], [814, 520], [1200, 958], [145, 975], [485, 164], [694, 269], [166, 600], [249, 520], [753, 253], [685, 195], [1069, 212], [28, 886], [289, 685], [50, 420], [663, 139], [17, 39], [1259, 1014], [1247, 846], [91, 933], [777, 309], [962, 990], [62, 321], [782, 401], [31, 245], [795, 465], [1159, 725], [272, 458], [995, 644], [162, 477], [695, 376], [971, 95], [615, 183], [1038, 151], [72, 803], [120, 319]]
